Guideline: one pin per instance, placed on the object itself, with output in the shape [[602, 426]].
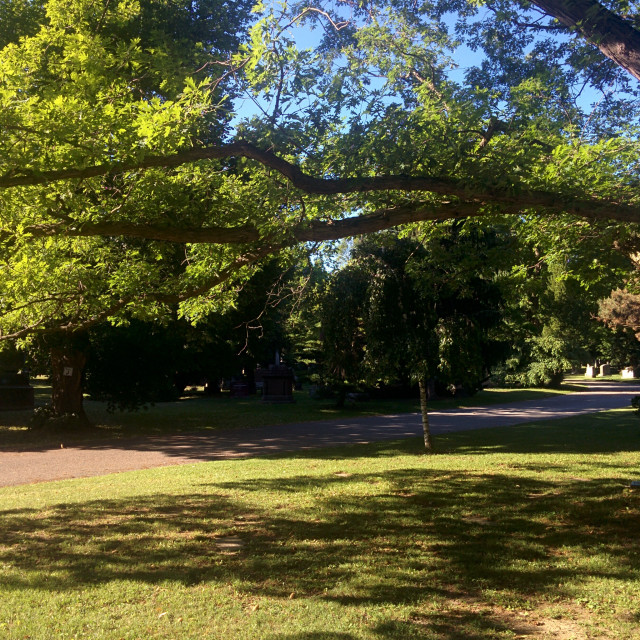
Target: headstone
[[239, 389], [590, 373], [257, 375], [277, 384], [629, 372], [605, 370]]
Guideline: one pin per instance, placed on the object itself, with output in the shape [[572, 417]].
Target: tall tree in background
[[418, 310], [557, 275]]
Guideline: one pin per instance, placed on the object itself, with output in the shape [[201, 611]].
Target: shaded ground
[[91, 459]]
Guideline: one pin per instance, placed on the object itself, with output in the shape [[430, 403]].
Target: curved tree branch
[[584, 207], [307, 231]]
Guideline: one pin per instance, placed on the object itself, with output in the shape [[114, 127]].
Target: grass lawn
[[522, 532], [223, 412]]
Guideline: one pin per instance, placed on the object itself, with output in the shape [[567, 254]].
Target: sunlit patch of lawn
[[527, 531]]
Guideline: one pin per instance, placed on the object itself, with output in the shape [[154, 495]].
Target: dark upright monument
[[277, 383]]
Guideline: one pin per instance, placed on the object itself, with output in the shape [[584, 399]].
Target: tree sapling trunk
[[422, 384]]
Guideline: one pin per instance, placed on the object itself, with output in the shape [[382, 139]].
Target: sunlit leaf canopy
[[152, 153]]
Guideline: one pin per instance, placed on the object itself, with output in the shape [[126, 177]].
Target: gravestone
[[605, 370], [590, 372], [277, 384], [239, 389], [257, 376], [629, 372]]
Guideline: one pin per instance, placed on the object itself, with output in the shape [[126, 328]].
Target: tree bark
[[422, 384], [613, 35], [68, 367], [335, 229], [511, 200]]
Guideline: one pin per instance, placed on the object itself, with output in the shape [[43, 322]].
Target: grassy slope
[[529, 531]]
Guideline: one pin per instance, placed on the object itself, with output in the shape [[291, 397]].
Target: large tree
[[92, 82], [124, 192], [611, 27]]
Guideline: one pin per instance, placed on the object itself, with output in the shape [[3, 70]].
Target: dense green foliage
[[124, 86], [135, 184], [472, 302], [409, 308], [106, 83]]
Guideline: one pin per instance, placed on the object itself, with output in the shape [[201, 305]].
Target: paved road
[[99, 458]]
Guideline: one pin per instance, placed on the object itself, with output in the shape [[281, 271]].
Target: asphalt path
[[99, 458]]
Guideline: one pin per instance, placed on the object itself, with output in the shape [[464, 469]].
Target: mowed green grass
[[521, 532], [223, 412]]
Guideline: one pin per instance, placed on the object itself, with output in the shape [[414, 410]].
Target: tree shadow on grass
[[422, 536]]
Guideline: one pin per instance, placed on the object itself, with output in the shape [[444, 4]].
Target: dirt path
[[100, 458]]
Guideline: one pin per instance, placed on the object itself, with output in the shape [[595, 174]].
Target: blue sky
[[308, 38]]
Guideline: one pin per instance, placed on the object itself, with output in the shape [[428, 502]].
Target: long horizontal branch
[[586, 207], [313, 231], [317, 232]]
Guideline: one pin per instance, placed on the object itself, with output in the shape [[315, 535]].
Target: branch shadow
[[597, 433], [422, 536]]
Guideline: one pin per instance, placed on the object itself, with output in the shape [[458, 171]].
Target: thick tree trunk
[[68, 366], [422, 384], [612, 34]]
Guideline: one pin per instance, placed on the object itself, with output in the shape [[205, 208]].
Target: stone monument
[[277, 383]]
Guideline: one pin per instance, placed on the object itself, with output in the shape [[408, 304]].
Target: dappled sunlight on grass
[[489, 539]]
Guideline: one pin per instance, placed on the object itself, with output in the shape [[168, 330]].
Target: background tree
[[552, 290], [621, 310], [415, 310]]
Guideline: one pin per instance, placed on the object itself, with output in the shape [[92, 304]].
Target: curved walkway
[[92, 459]]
